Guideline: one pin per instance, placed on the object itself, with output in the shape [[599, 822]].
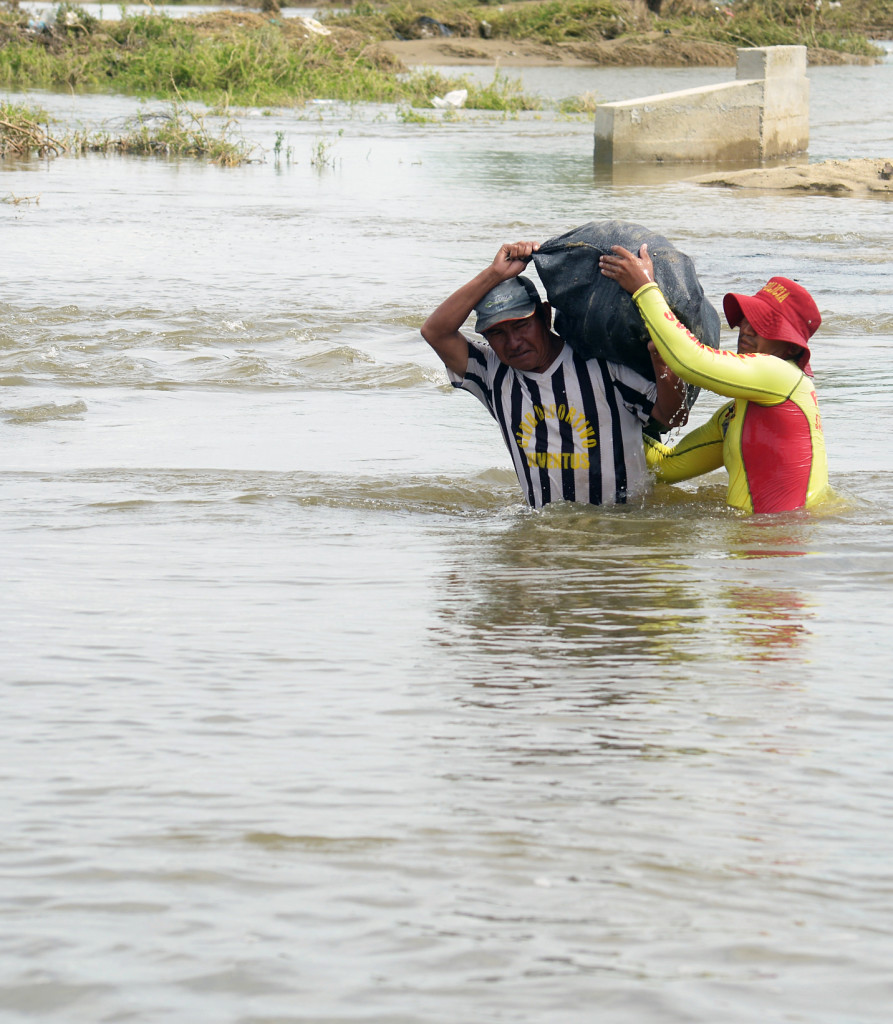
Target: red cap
[[781, 310]]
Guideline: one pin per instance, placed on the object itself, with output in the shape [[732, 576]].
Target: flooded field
[[307, 718]]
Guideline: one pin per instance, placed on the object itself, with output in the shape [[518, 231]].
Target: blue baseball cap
[[513, 299]]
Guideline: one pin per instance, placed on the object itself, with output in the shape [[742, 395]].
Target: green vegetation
[[21, 132], [177, 133], [548, 21], [321, 155], [221, 59], [501, 93], [843, 27], [246, 58], [586, 103], [554, 20]]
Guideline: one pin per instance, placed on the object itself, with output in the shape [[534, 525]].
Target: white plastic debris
[[312, 25], [452, 100]]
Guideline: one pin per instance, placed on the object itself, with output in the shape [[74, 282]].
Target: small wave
[[146, 349], [862, 325], [43, 413], [324, 844], [337, 358], [852, 240], [484, 492], [143, 492]]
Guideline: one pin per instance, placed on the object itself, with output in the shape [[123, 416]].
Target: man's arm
[[700, 451], [669, 409], [441, 329]]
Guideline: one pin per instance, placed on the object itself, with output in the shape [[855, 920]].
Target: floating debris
[[451, 101]]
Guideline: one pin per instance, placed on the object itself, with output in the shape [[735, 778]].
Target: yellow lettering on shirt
[[558, 460], [585, 432]]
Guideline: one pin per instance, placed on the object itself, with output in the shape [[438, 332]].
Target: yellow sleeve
[[764, 379], [700, 451]]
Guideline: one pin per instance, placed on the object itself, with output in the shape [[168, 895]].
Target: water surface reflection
[[614, 597], [305, 716]]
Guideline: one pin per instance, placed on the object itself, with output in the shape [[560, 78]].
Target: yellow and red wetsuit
[[769, 438]]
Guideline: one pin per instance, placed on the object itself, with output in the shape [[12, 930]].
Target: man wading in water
[[573, 426]]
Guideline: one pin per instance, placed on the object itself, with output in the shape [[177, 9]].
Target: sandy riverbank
[[648, 50], [841, 177]]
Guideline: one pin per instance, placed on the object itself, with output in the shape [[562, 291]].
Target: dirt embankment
[[649, 50], [831, 177]]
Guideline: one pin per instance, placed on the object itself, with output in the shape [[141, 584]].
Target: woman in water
[[770, 435]]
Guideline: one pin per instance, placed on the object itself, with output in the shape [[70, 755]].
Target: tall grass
[[741, 22], [502, 93], [786, 23], [24, 131], [401, 19], [558, 20], [152, 55], [176, 133], [547, 20], [260, 64]]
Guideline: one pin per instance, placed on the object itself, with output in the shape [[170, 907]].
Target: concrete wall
[[785, 115], [763, 114]]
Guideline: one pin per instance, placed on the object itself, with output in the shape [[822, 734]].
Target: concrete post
[[762, 115], [784, 127]]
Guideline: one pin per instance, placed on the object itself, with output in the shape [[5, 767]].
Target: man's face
[[524, 344]]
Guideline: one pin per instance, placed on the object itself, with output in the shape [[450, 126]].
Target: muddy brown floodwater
[[306, 718]]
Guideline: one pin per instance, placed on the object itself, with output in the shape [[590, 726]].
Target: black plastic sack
[[595, 316]]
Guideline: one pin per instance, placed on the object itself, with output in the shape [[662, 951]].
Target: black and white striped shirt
[[574, 432]]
